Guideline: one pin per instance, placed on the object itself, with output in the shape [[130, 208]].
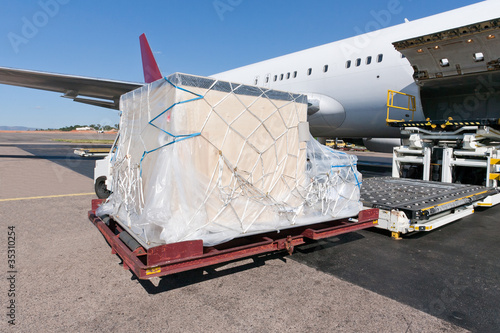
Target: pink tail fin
[[151, 70]]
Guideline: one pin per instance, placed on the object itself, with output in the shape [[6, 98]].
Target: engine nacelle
[[382, 145], [324, 114]]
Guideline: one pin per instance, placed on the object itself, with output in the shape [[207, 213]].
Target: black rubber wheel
[[100, 188]]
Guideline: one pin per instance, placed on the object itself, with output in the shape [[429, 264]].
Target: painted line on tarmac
[[48, 196]]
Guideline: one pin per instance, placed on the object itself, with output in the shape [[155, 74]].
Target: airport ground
[[67, 279]]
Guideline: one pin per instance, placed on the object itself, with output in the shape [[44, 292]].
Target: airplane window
[[256, 81], [287, 75], [380, 57], [358, 62], [403, 56], [294, 74], [267, 79], [348, 64], [309, 71], [275, 78], [281, 77], [325, 68], [368, 60]]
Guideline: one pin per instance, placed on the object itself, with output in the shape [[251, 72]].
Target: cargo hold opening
[[457, 70], [472, 96]]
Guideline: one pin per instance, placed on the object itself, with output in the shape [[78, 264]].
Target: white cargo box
[[200, 158]]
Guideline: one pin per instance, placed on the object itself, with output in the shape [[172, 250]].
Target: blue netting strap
[[177, 138], [358, 183], [343, 166], [198, 96]]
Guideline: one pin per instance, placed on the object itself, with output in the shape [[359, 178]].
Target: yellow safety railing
[[390, 104], [494, 175]]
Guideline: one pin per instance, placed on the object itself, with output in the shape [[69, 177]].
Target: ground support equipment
[[465, 154], [408, 205], [166, 259], [91, 152]]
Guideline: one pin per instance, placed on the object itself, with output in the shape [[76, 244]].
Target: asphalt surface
[[447, 280], [452, 273], [64, 156]]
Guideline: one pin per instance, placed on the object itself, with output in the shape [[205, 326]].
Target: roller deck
[[420, 199], [408, 205]]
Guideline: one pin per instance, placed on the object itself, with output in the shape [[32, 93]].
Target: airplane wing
[[93, 91]]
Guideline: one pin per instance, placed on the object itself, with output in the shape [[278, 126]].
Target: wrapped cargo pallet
[[200, 158]]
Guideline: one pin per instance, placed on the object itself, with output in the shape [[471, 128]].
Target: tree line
[[97, 127]]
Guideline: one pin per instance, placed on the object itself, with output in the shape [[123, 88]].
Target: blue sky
[[203, 37]]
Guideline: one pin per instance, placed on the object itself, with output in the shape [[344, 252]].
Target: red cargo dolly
[[182, 256]]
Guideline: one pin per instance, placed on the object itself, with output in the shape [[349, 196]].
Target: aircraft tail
[[149, 65]]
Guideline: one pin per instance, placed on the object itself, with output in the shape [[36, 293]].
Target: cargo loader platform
[[408, 205], [166, 259], [448, 124]]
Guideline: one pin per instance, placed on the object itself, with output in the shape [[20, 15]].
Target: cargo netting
[[200, 158]]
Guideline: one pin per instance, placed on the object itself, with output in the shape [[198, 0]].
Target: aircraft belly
[[358, 127]]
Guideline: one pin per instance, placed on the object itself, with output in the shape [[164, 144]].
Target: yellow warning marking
[[445, 203], [153, 270], [396, 235], [48, 196]]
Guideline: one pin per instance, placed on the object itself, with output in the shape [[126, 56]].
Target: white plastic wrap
[[200, 158]]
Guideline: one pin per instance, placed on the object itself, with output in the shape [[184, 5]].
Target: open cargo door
[[458, 71]]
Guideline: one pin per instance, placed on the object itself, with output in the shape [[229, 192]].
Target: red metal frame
[[182, 256]]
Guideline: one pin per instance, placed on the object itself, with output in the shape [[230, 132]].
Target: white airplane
[[449, 61]]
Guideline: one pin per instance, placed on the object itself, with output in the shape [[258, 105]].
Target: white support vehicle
[[103, 174], [91, 152]]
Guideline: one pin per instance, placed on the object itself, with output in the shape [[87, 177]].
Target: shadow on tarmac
[[62, 155], [452, 273], [183, 279]]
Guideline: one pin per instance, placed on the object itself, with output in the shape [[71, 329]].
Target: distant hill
[[17, 128]]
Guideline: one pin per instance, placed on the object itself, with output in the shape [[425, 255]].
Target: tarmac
[[66, 279]]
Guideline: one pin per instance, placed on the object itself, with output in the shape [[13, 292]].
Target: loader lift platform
[[167, 259], [448, 124], [408, 205]]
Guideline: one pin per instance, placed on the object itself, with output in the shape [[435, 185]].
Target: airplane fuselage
[[349, 79]]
